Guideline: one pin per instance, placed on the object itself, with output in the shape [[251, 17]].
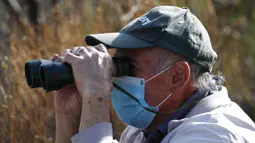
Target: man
[[170, 96]]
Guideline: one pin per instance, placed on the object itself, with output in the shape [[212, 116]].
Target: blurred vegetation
[[27, 115]]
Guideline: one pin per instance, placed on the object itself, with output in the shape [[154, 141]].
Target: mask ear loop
[[151, 78], [163, 101]]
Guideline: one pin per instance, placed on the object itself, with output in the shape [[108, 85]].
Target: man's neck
[[172, 106], [159, 119]]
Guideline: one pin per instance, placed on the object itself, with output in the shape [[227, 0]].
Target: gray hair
[[205, 80], [200, 78]]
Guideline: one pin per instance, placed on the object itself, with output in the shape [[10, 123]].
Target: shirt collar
[[180, 112], [183, 110], [216, 99]]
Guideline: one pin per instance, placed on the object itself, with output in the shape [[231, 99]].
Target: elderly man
[[170, 96]]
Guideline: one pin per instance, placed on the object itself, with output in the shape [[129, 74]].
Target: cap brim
[[117, 40]]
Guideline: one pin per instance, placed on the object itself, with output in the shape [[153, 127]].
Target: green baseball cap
[[174, 28]]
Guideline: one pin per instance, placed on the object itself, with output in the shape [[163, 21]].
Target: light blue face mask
[[129, 103]]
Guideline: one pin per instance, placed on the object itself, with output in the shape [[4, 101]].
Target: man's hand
[[68, 102], [92, 70], [67, 112]]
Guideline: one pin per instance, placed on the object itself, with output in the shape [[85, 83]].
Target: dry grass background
[[27, 115]]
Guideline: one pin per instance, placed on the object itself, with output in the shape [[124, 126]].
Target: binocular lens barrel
[[51, 75], [55, 75], [32, 72]]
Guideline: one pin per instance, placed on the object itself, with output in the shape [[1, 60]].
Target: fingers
[[65, 51], [55, 57], [71, 55], [77, 50], [70, 58], [101, 48], [91, 49]]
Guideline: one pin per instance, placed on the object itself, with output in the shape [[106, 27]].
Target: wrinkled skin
[[87, 101]]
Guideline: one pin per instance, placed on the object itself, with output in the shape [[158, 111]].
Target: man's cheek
[[151, 94]]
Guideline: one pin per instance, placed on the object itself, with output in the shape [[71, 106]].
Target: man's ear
[[180, 74]]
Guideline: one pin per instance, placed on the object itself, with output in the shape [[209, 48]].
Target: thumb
[[101, 48], [70, 58]]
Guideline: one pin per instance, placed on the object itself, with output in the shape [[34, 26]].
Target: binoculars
[[53, 75]]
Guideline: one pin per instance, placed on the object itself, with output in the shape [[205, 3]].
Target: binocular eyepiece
[[53, 75]]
